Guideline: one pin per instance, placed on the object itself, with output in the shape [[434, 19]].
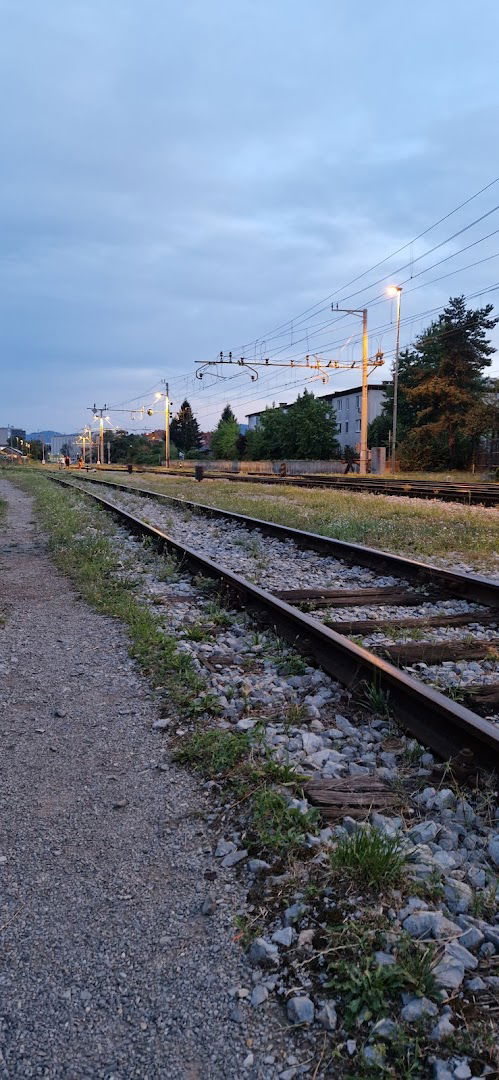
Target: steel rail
[[473, 587], [444, 725]]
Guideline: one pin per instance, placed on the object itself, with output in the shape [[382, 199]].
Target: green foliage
[[213, 753], [36, 450], [293, 665], [369, 859], [375, 698], [225, 438], [184, 429], [277, 828], [135, 449], [368, 989], [198, 632], [307, 430], [227, 416]]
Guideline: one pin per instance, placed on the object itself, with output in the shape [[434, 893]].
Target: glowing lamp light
[[392, 290]]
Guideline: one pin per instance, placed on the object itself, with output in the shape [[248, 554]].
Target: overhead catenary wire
[[314, 335], [374, 267]]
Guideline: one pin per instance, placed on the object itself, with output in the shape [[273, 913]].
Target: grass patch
[[213, 753], [369, 859], [276, 828]]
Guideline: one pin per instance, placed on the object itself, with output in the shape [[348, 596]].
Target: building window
[[339, 404], [339, 429], [346, 428], [357, 425], [347, 404], [357, 400]]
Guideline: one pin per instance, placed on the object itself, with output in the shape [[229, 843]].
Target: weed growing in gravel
[[377, 700], [213, 753], [294, 716], [198, 632], [484, 903], [369, 859], [276, 828], [168, 569], [293, 665], [369, 989], [218, 615]]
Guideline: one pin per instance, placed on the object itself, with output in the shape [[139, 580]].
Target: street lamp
[[158, 395], [395, 291]]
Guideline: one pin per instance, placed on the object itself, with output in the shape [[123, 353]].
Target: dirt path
[[107, 968]]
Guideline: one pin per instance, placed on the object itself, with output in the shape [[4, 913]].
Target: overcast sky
[[180, 178]]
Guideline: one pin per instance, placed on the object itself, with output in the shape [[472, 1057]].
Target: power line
[[429, 228]]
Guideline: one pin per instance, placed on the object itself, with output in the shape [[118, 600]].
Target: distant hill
[[42, 436]]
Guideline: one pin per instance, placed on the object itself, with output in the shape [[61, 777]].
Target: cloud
[[178, 179]]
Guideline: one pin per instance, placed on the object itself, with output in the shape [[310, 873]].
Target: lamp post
[[158, 396], [395, 290]]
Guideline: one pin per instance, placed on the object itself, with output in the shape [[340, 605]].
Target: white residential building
[[346, 405]]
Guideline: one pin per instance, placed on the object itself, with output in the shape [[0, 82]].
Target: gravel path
[[108, 967]]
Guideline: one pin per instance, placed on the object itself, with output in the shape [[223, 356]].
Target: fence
[[293, 468]]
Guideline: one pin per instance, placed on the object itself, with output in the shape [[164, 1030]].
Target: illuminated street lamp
[[395, 291]]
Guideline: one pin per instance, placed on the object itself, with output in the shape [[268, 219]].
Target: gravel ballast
[[280, 564]]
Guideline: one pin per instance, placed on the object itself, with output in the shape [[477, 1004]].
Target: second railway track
[[322, 611]]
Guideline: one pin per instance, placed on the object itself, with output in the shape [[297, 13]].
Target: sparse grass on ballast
[[419, 528], [370, 990], [276, 828], [214, 752], [242, 762], [369, 859]]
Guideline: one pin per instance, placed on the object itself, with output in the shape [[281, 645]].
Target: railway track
[[445, 725], [478, 494]]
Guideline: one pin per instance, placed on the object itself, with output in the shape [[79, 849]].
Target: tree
[[266, 441], [449, 384], [225, 438], [379, 431], [134, 449], [310, 429], [442, 402], [184, 429], [307, 430], [36, 450]]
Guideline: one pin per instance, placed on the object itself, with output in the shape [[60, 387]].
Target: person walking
[[67, 461]]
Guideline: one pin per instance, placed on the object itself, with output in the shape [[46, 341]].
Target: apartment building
[[346, 405]]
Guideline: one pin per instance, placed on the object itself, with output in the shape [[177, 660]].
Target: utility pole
[[395, 290], [364, 408], [362, 312], [167, 425], [99, 415]]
